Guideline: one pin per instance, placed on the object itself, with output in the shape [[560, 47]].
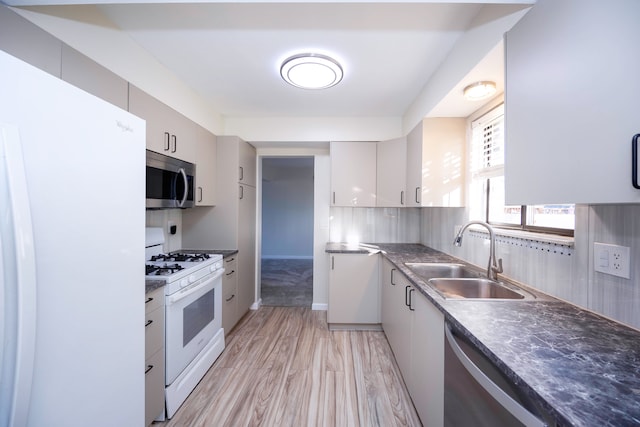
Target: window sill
[[527, 235]]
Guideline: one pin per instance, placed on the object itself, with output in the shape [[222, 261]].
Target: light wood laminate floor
[[283, 367]]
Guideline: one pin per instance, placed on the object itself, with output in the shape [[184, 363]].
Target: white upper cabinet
[[23, 39], [391, 175], [435, 163], [168, 132], [571, 106], [353, 174], [88, 75], [206, 168]]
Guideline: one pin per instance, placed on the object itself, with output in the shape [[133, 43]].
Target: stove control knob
[[183, 283], [192, 278]]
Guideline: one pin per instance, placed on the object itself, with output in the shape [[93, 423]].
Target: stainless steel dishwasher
[[477, 394]]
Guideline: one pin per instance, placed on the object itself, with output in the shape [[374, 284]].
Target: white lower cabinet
[[354, 291], [230, 314], [415, 330], [154, 355]]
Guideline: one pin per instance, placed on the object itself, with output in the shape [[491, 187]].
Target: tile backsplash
[[564, 272], [374, 225]]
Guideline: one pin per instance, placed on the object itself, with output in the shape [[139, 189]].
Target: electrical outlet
[[612, 259]]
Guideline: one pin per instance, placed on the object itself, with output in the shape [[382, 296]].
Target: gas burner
[[162, 270], [180, 257]]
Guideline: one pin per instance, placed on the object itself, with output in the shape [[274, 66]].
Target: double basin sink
[[458, 281]]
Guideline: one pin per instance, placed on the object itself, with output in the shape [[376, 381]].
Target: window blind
[[487, 148]]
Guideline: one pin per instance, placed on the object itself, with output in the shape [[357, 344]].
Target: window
[[487, 200]]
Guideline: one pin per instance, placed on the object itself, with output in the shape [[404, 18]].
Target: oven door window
[[197, 315]]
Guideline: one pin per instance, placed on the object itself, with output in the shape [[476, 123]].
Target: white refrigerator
[[72, 221]]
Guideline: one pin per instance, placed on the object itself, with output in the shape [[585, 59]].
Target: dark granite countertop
[[582, 368], [151, 285]]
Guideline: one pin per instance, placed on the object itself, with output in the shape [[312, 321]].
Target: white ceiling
[[230, 52]]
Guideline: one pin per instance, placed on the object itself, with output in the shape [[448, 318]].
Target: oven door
[[193, 316]]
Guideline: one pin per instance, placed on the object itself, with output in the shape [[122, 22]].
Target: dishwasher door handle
[[514, 408]]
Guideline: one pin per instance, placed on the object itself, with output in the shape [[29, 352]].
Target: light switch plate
[[612, 259]]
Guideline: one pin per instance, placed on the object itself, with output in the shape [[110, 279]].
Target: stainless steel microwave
[[170, 182]]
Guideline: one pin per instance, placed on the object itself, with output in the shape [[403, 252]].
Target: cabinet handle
[[407, 297], [230, 259], [334, 197], [634, 161], [148, 300], [149, 367], [167, 144], [402, 197], [241, 173], [417, 192], [175, 143], [232, 271], [411, 299], [232, 297], [148, 323], [200, 188], [332, 262], [241, 192], [392, 270]]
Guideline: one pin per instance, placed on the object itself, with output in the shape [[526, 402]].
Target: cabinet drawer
[[231, 263], [154, 386], [154, 331], [153, 300]]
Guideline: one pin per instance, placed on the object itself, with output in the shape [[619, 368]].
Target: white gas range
[[194, 337]]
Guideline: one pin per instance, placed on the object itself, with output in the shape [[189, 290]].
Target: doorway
[[287, 231]]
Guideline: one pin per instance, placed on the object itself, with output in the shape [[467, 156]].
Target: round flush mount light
[[479, 90], [311, 71]]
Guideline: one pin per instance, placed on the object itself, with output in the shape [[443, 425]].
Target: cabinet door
[[426, 382], [414, 167], [571, 103], [230, 294], [436, 163], [168, 132], [402, 324], [246, 248], [353, 289], [247, 165], [206, 168], [92, 77], [23, 39], [391, 172], [353, 174]]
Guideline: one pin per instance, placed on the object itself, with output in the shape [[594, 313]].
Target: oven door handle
[[182, 294]]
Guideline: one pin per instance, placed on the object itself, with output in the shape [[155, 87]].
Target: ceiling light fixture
[[311, 71], [479, 90]]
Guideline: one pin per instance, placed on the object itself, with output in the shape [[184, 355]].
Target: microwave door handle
[[186, 187]]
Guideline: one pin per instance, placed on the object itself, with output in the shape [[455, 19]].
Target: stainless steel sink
[[477, 288], [439, 270]]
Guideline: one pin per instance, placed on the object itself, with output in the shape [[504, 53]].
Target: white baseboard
[[256, 305], [319, 307], [287, 256]]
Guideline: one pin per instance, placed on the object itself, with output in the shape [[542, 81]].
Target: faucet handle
[[497, 269]]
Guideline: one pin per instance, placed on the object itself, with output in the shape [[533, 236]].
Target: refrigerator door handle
[[18, 296]]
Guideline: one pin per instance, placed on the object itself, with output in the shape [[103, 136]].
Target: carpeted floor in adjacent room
[[287, 282]]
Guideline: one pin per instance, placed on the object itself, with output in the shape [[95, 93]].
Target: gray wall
[[287, 207]]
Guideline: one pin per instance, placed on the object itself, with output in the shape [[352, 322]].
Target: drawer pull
[[231, 259], [231, 297], [232, 271], [148, 323], [149, 367], [148, 300]]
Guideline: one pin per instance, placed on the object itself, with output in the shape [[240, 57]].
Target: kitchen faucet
[[493, 268]]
